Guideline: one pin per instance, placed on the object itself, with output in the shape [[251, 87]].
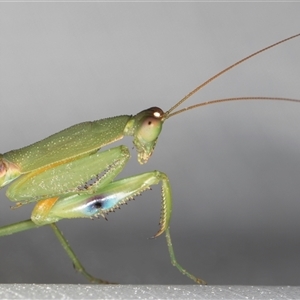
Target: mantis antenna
[[169, 113]]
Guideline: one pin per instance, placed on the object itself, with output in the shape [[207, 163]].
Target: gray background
[[234, 167]]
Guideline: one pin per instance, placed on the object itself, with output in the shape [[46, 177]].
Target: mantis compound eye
[[151, 125]]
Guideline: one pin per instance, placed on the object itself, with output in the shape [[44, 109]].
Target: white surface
[[234, 168], [145, 292]]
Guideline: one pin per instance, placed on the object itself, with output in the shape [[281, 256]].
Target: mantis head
[[145, 128]]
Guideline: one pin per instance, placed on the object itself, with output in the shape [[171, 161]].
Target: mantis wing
[[69, 144]]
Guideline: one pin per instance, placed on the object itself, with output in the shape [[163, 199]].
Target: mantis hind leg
[[79, 268], [176, 264], [29, 224], [76, 263]]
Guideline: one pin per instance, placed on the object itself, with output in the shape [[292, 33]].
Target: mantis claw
[[17, 205]]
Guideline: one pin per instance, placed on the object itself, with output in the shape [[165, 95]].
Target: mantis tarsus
[[69, 178]]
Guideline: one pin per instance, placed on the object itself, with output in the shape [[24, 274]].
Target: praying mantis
[[69, 178]]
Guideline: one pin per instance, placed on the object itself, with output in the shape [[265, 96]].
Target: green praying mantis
[[69, 178]]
